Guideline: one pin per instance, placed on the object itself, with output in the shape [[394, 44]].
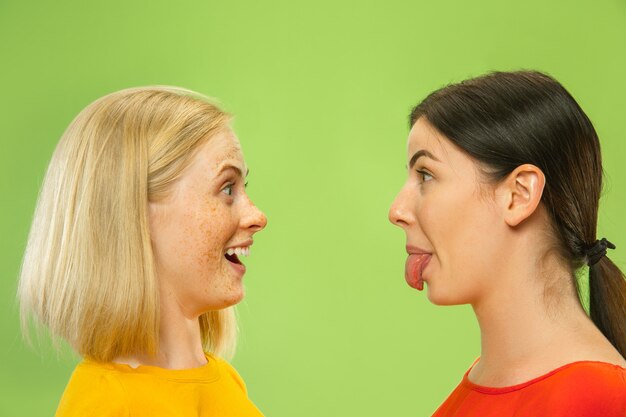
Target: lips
[[416, 262], [235, 263]]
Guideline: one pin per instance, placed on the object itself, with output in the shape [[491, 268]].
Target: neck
[[528, 328], [521, 325], [180, 341]]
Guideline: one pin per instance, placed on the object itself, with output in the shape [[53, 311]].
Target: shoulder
[[598, 387], [593, 375], [229, 372], [93, 390]]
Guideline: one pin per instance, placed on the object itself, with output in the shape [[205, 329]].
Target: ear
[[520, 193]]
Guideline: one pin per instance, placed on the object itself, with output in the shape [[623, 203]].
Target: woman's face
[[194, 230], [452, 228]]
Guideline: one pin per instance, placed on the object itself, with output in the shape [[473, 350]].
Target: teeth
[[239, 251]]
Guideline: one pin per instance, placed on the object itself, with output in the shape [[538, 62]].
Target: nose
[[400, 213], [254, 219]]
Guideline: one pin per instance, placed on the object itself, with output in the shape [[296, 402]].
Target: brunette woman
[[500, 211]]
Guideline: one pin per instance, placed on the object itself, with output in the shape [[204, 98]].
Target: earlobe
[[523, 188]]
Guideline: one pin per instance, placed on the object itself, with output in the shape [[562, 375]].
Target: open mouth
[[233, 258], [233, 254]]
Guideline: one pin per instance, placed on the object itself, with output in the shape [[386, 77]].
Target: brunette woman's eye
[[424, 176]]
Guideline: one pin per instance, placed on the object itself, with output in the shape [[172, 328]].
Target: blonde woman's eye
[[228, 190]]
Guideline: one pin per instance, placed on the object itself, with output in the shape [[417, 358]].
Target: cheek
[[439, 216], [212, 229], [192, 236], [457, 226]]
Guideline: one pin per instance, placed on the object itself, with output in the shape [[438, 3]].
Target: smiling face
[[453, 230], [202, 228]]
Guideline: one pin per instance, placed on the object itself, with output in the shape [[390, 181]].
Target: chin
[[233, 298], [224, 301], [443, 298]]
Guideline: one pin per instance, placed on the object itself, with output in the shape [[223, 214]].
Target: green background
[[321, 91]]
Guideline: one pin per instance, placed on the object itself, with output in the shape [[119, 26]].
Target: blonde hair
[[88, 270]]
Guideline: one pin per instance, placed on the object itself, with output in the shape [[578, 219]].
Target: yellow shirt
[[110, 389]]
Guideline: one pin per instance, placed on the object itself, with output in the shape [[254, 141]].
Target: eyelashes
[[228, 189], [424, 176]]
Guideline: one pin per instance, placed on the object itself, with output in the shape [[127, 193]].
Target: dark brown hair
[[506, 119]]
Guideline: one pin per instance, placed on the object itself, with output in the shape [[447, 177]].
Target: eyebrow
[[417, 155], [226, 167]]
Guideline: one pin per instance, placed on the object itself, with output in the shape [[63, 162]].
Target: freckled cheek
[[209, 250], [202, 236]]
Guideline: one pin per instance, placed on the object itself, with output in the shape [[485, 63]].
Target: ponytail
[[506, 119], [607, 301]]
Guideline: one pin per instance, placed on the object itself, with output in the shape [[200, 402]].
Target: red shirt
[[578, 389]]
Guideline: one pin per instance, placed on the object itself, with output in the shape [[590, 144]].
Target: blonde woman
[[134, 256]]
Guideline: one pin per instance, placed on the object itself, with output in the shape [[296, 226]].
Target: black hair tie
[[598, 251]]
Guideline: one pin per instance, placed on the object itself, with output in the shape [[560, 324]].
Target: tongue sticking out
[[414, 269]]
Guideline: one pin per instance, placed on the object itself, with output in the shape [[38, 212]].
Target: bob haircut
[[88, 271]]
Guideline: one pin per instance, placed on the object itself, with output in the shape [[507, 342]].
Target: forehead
[[223, 147], [426, 137], [451, 158]]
